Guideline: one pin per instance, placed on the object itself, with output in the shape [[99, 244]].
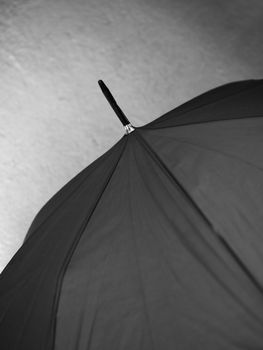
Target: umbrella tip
[[101, 83], [122, 117]]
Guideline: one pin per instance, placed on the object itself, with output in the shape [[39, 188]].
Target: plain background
[[153, 55]]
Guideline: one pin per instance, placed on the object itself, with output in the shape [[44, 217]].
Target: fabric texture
[[156, 245]]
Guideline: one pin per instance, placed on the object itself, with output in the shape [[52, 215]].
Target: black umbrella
[[158, 244]]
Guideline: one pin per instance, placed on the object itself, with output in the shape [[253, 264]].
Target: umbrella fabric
[[156, 245]]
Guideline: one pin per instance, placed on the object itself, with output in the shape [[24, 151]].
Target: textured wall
[[153, 55]]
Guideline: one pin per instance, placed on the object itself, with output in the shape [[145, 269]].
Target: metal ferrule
[[129, 128]]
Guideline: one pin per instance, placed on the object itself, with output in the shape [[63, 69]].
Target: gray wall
[[153, 54]]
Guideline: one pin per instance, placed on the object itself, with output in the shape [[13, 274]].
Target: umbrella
[[156, 245]]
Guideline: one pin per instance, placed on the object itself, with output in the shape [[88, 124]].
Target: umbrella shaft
[[113, 103]]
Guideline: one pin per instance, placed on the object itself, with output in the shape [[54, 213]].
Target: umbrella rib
[[138, 265], [194, 205], [185, 243], [202, 122], [247, 88], [58, 206], [73, 247], [209, 149]]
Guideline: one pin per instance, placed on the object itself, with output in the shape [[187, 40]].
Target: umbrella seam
[[226, 155], [206, 104], [146, 311], [165, 169], [100, 288], [67, 197], [71, 252], [98, 299], [203, 122], [193, 252]]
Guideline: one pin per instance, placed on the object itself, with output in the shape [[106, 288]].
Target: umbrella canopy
[[157, 245]]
